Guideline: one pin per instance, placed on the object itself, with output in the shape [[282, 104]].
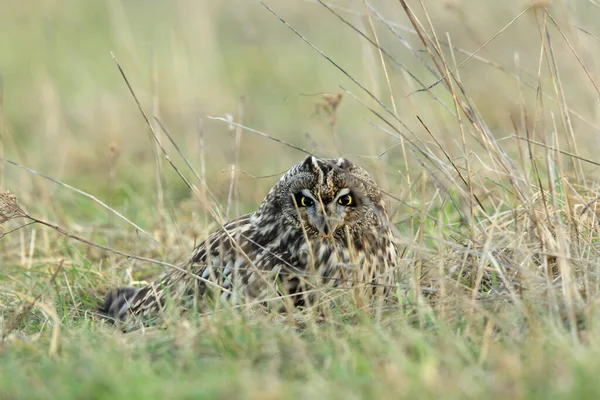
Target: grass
[[491, 178]]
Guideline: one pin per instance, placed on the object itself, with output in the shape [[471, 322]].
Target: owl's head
[[327, 196]]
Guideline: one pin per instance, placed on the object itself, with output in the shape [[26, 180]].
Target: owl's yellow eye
[[304, 201], [346, 200]]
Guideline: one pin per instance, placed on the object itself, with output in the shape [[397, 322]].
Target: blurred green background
[[68, 113]]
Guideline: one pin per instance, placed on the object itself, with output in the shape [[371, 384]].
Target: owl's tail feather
[[123, 302], [118, 302]]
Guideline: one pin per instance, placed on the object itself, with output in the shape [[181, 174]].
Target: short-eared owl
[[323, 224]]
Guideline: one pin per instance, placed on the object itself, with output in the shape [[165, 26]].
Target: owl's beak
[[326, 226]]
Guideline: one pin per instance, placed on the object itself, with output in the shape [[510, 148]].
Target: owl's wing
[[208, 268]]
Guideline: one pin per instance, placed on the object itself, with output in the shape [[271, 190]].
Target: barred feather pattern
[[285, 249]]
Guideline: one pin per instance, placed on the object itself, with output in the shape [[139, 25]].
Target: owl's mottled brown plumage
[[324, 223]]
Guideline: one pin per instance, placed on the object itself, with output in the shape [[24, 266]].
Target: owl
[[323, 225]]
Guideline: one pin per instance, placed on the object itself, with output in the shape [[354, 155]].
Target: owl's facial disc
[[324, 217]]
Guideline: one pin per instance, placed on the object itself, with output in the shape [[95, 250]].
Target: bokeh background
[[67, 112]]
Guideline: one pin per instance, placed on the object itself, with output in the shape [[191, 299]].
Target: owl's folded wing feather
[[208, 268]]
